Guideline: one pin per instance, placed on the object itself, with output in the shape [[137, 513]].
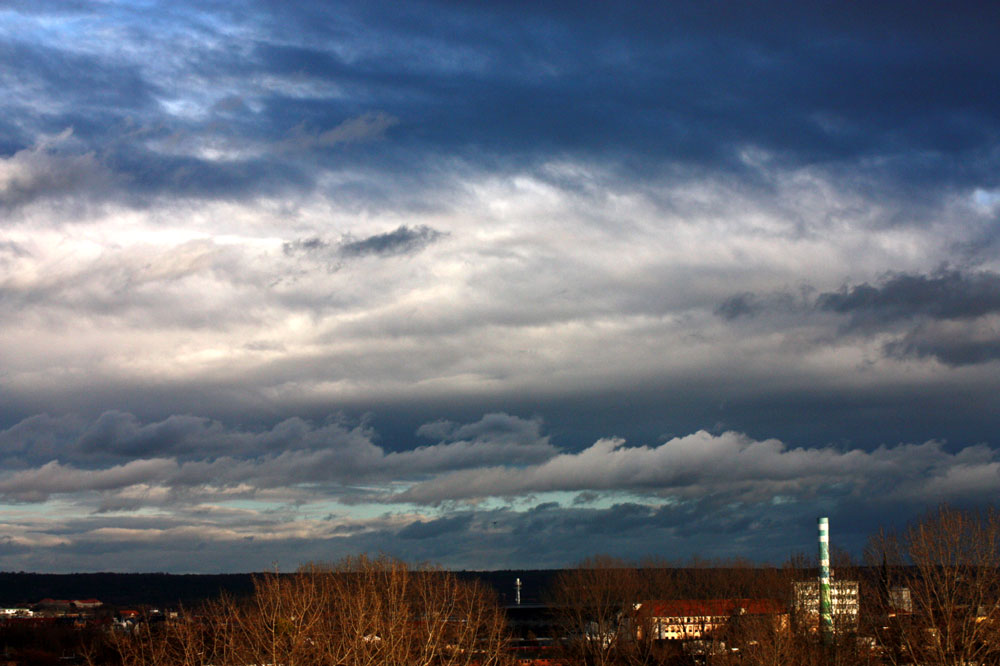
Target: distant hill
[[534, 583], [160, 589], [156, 589]]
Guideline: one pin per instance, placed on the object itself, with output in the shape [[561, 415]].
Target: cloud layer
[[478, 283], [127, 485]]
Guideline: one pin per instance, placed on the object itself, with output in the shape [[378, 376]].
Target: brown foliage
[[591, 603], [949, 560], [359, 612]]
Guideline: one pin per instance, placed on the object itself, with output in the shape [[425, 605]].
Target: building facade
[[691, 619], [844, 604]]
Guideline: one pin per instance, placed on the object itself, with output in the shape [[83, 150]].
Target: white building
[[843, 604], [692, 619]]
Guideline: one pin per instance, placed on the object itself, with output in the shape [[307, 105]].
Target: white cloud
[[43, 172], [533, 272], [728, 465], [186, 459], [53, 477]]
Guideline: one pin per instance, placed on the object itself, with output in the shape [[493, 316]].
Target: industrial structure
[[825, 602], [826, 605]]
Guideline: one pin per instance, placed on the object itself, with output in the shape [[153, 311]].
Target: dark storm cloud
[[723, 495], [314, 244], [37, 485], [946, 294], [116, 435], [184, 452], [954, 348], [546, 535], [748, 304], [122, 434], [403, 240], [693, 88], [697, 89], [435, 528], [369, 126], [147, 172], [37, 439], [61, 81], [119, 435], [943, 295], [739, 305], [492, 427], [944, 315]]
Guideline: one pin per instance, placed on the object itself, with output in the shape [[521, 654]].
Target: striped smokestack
[[825, 602]]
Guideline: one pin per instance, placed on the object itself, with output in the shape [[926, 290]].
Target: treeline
[[118, 589], [123, 590]]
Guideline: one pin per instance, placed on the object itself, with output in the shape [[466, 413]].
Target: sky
[[491, 285]]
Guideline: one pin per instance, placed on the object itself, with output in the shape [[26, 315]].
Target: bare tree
[[183, 641], [762, 640], [594, 605], [940, 581], [359, 612]]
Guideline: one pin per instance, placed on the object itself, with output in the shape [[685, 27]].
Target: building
[[86, 603], [690, 619], [843, 599], [900, 600]]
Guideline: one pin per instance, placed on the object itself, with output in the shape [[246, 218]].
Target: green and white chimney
[[825, 600]]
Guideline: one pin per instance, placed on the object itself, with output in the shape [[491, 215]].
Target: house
[[690, 619], [86, 603]]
